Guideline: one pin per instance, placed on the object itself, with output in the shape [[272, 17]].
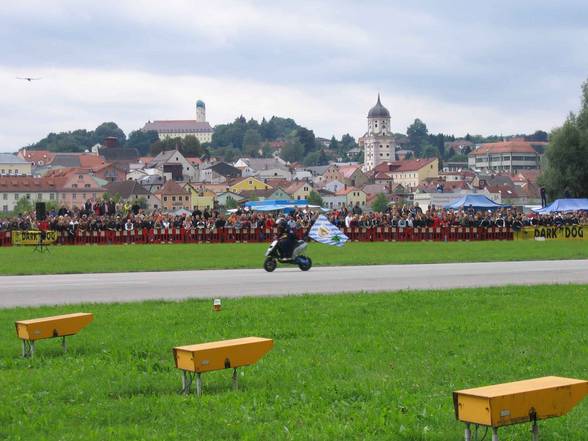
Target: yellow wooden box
[[222, 354], [517, 402], [56, 326]]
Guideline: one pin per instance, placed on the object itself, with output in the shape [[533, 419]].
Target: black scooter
[[272, 257]]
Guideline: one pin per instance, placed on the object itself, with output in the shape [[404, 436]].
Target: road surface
[[127, 287]]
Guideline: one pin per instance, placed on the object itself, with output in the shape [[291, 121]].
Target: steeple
[[378, 111]]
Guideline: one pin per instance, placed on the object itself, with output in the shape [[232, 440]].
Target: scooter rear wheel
[[270, 264]]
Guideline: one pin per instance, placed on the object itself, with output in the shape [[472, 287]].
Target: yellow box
[[520, 401], [56, 326], [222, 354]]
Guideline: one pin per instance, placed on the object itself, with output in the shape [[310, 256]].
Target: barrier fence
[[244, 235]]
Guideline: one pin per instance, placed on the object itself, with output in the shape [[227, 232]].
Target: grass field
[[86, 259], [353, 367]]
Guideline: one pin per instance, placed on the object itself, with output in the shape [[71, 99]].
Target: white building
[[379, 144], [507, 156], [198, 127]]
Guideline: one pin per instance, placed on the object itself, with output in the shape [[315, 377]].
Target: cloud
[[500, 67]]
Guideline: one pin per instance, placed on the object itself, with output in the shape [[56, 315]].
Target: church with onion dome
[[378, 142]]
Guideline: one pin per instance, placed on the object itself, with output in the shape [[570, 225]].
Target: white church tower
[[200, 111], [378, 143]]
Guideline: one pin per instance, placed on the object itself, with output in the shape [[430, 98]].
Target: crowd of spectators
[[121, 218]]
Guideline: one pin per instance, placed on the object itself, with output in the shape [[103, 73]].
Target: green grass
[[353, 367], [120, 258]]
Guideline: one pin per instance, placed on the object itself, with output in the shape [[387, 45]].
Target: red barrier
[[262, 234]]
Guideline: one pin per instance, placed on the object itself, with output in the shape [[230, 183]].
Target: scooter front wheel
[[270, 264], [305, 263]]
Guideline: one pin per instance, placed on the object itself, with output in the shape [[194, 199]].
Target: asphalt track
[[175, 285]]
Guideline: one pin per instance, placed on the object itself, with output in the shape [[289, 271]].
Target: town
[[382, 168]]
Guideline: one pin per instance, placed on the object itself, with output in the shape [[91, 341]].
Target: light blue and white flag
[[325, 232]]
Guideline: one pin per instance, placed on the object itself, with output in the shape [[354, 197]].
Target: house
[[37, 158], [172, 161], [224, 197], [249, 183], [110, 172], [266, 168], [353, 197], [509, 156], [332, 200], [334, 186], [200, 197], [409, 173], [13, 165], [198, 127], [219, 173], [173, 197], [133, 192], [79, 187], [34, 189], [353, 176], [299, 190], [153, 183], [279, 194]]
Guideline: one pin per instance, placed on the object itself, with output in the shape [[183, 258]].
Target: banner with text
[[33, 237], [567, 232]]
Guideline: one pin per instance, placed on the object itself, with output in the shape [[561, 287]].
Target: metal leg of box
[[535, 431], [63, 344], [187, 379], [495, 434], [28, 348], [468, 432], [235, 379], [198, 384]]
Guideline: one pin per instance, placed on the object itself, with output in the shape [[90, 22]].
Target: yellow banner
[[33, 237], [567, 232]]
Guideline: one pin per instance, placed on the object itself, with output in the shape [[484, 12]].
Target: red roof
[[404, 166], [348, 170], [505, 147], [30, 184], [172, 187], [91, 161]]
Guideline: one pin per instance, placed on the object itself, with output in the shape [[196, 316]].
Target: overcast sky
[[494, 67]]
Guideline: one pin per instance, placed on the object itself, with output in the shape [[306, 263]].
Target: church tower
[[378, 143], [200, 111]]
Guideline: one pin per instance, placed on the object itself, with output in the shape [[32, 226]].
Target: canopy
[[564, 205], [276, 204], [182, 212], [477, 201]]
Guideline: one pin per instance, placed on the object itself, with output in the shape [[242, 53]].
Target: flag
[[325, 232]]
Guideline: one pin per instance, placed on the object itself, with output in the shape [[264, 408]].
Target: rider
[[286, 238]]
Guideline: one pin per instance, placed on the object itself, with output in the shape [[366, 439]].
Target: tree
[[190, 147], [380, 203], [307, 139], [252, 142], [566, 159], [231, 203], [142, 141], [106, 130], [293, 151], [418, 135], [23, 205], [315, 199]]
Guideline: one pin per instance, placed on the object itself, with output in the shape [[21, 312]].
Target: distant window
[[74, 196], [165, 198], [5, 196], [173, 198], [28, 196], [39, 196], [4, 207], [87, 185], [51, 196], [74, 186]]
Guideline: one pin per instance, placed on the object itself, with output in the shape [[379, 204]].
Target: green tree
[[418, 135], [23, 205], [190, 147], [380, 203], [307, 139], [252, 142], [107, 129], [142, 141], [315, 199], [231, 203], [565, 168], [293, 151]]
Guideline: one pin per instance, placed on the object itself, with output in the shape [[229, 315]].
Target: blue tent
[[476, 201], [564, 205], [277, 204]]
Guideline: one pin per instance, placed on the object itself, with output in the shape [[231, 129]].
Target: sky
[[493, 67]]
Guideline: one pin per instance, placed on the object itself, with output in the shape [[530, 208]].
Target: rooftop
[[504, 147], [178, 126]]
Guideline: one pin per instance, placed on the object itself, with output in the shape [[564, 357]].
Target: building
[[198, 127], [249, 184], [13, 188], [219, 173], [200, 197], [507, 156], [353, 197], [13, 165], [132, 192], [299, 190], [265, 168], [378, 142], [173, 197], [409, 173], [172, 161]]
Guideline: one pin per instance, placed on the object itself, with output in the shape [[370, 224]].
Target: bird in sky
[[29, 79]]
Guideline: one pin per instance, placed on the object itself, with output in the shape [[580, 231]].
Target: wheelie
[[286, 249]]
